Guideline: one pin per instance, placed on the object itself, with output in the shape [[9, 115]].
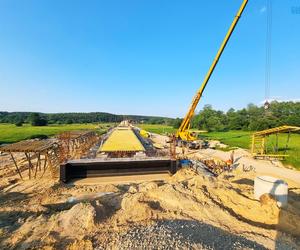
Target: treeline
[[19, 118], [252, 118]]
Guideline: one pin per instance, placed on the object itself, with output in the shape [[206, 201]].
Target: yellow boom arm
[[183, 131]]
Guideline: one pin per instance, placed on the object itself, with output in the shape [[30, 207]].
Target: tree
[[37, 120], [69, 121], [250, 118], [19, 123], [210, 119], [234, 120], [177, 122]]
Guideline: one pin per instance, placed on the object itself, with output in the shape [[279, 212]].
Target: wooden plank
[[281, 129], [29, 162], [29, 146], [49, 163], [45, 165], [37, 164], [18, 170]]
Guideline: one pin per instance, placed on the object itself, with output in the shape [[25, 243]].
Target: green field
[[10, 133], [232, 138], [157, 128]]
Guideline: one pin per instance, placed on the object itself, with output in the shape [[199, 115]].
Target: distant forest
[[251, 118], [43, 119]]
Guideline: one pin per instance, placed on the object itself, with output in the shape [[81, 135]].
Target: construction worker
[[230, 161]]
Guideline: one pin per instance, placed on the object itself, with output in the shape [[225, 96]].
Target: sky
[[145, 57]]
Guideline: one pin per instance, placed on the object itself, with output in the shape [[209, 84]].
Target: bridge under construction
[[122, 152]]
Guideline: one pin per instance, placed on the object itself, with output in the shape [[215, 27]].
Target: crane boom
[[183, 131]]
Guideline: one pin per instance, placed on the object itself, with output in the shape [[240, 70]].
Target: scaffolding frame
[[259, 142], [38, 153], [74, 144]]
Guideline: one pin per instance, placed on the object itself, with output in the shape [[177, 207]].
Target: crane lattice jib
[[187, 119]]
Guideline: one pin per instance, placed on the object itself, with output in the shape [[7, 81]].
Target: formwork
[[85, 168], [122, 140]]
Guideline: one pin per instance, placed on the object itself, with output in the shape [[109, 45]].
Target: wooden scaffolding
[[40, 154], [73, 144], [259, 142]]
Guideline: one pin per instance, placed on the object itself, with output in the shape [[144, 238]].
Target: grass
[[157, 128], [10, 133], [242, 139], [232, 138]]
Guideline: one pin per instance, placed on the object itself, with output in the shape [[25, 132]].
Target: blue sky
[[142, 56]]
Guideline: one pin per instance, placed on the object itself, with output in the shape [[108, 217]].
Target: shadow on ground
[[244, 181], [287, 225]]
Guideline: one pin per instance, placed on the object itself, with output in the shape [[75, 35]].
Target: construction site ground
[[185, 211]]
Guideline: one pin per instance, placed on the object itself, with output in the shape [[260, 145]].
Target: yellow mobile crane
[[183, 135]]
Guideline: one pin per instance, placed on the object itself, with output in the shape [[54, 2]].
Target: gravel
[[179, 234]]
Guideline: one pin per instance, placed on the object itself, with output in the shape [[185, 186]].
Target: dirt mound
[[227, 202], [267, 200], [124, 216], [73, 224], [77, 221], [135, 207], [80, 245]]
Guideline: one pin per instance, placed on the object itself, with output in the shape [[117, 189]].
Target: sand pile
[[78, 220], [227, 204], [74, 223], [111, 216]]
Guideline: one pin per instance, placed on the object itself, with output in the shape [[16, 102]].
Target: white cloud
[[263, 9], [278, 99]]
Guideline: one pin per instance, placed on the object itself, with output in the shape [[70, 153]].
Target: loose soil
[[185, 211]]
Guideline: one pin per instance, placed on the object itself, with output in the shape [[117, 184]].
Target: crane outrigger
[[183, 135]]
